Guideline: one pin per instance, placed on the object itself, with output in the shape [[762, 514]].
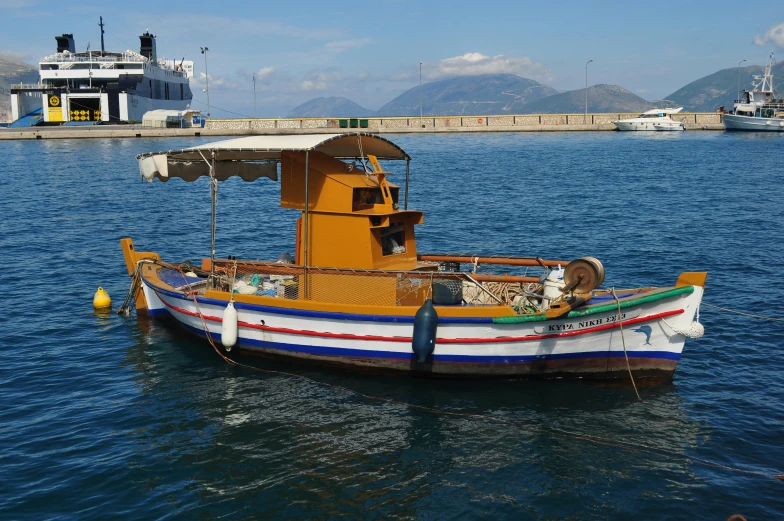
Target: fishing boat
[[759, 109], [655, 119], [356, 292]]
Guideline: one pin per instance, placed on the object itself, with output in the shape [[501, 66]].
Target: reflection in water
[[308, 442]]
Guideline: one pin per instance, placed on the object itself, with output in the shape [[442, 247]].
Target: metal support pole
[[420, 95], [214, 199], [743, 60], [306, 235], [405, 204], [585, 116]]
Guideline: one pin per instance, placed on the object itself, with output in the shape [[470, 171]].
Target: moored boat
[[357, 292], [652, 120], [759, 109]]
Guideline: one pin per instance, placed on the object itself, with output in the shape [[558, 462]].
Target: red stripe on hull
[[491, 340]]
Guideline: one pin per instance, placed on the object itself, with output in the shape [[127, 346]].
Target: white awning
[[256, 156]]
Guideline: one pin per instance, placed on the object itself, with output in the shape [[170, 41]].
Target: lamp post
[[207, 78], [420, 95], [743, 60], [254, 96], [585, 116]]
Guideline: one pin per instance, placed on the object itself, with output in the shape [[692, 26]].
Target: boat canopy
[[256, 156]]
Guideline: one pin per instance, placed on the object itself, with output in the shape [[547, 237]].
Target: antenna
[[100, 24]]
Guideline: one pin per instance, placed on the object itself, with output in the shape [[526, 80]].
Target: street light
[[743, 60], [420, 96], [254, 96], [585, 116], [206, 77]]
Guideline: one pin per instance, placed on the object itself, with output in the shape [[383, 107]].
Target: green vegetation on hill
[[337, 107], [601, 98], [467, 95], [719, 89]]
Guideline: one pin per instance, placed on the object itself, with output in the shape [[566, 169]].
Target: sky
[[370, 52]]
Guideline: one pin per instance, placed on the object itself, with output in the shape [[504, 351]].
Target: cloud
[[474, 63], [216, 82], [774, 34], [320, 80], [641, 91], [345, 45]]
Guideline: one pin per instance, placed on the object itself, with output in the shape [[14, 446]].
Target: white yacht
[[101, 86], [759, 109], [654, 119]]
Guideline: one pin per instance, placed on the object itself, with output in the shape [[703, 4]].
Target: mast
[[100, 24]]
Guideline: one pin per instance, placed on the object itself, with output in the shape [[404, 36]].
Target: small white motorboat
[[654, 119]]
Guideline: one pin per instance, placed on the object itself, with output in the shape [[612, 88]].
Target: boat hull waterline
[[738, 122], [591, 346]]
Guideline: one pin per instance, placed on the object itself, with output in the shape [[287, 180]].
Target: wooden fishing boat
[[357, 292]]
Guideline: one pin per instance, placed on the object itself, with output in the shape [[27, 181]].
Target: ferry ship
[[101, 86]]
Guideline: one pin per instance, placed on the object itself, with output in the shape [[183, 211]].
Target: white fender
[[229, 327]]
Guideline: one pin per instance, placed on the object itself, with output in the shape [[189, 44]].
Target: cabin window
[[393, 240], [366, 198]]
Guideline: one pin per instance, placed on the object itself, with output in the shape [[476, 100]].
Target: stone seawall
[[428, 124], [498, 123]]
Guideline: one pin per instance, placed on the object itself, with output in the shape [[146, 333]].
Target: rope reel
[[583, 275]]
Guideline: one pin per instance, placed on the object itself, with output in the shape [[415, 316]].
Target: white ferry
[[759, 109], [101, 86]]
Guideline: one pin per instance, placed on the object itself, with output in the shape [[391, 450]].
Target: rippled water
[[103, 416]]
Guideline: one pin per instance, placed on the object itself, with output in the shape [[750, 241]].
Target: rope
[[130, 297], [744, 314], [623, 340]]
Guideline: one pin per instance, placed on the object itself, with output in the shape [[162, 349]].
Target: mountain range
[[510, 94]]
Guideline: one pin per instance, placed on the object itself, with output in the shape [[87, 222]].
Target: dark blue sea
[[111, 417]]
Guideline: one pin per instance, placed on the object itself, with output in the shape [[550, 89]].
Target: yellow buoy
[[101, 300]]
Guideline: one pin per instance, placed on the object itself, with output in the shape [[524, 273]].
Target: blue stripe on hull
[[362, 353], [322, 314]]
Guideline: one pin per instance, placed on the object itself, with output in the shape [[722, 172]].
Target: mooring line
[[763, 317]]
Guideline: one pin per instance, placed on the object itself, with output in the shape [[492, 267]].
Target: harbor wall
[[504, 122], [428, 124]]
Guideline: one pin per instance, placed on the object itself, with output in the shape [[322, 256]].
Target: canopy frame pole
[[306, 235], [214, 200], [405, 203]]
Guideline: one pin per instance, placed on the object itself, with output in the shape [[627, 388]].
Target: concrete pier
[[428, 124]]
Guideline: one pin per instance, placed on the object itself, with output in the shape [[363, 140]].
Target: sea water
[[105, 416]]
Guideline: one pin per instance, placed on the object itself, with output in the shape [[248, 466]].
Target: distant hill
[[601, 98], [720, 88], [465, 95], [330, 108], [13, 71]]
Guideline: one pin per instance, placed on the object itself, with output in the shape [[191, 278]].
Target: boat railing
[[374, 287]]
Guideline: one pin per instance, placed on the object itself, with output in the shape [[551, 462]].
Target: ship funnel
[[147, 48], [65, 43]]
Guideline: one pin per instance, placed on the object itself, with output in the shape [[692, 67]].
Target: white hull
[[589, 346], [736, 122], [648, 126]]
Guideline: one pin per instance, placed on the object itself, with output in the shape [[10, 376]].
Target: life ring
[[479, 120]]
